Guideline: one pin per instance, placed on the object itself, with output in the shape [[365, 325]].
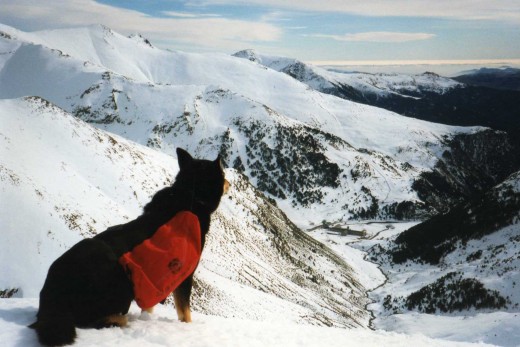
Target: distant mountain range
[[506, 78]]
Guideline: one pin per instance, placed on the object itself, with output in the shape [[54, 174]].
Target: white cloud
[[188, 14], [504, 10], [276, 16], [207, 31], [378, 36]]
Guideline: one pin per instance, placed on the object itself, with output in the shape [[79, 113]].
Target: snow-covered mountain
[[459, 299], [306, 149], [484, 215], [377, 85], [458, 101], [62, 180]]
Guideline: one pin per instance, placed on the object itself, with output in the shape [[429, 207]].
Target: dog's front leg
[[181, 296]]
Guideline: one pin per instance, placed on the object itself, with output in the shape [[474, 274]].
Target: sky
[[325, 32]]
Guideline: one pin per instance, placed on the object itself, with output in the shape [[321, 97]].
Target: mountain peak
[[249, 53], [141, 39], [429, 73]]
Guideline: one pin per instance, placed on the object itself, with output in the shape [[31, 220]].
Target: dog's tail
[[55, 329]]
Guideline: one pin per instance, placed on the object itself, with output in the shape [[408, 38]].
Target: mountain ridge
[[264, 122], [427, 96]]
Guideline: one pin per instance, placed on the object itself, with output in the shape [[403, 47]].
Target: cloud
[[503, 10], [276, 16], [188, 14], [199, 31], [378, 36]]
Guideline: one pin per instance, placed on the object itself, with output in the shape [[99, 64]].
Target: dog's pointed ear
[[184, 158], [219, 163]]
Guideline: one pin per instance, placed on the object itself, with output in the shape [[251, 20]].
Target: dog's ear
[[184, 158], [219, 163]]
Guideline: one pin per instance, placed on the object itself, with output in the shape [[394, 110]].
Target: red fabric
[[161, 263]]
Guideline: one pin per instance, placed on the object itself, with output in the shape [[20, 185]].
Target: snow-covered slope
[[306, 149], [455, 275], [62, 180], [471, 253], [433, 239]]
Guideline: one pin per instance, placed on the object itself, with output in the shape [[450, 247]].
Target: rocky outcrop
[[473, 164]]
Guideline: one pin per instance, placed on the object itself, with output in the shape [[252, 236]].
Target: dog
[[90, 285]]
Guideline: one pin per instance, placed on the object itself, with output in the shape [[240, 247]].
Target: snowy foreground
[[162, 329]]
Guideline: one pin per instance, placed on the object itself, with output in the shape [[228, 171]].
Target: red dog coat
[[161, 263]]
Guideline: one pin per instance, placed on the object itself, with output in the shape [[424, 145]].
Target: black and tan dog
[[88, 287]]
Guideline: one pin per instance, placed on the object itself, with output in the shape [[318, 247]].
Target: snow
[[162, 329], [512, 183], [367, 272], [499, 328]]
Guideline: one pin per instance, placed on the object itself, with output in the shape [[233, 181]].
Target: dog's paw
[[149, 310], [184, 315], [115, 320], [145, 315]]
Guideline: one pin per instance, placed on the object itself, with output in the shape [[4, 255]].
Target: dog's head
[[205, 179]]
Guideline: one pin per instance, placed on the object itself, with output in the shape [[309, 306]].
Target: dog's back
[[87, 284]]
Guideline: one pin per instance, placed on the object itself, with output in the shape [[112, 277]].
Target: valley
[[388, 283]]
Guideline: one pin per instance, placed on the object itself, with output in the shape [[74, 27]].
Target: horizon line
[[413, 62]]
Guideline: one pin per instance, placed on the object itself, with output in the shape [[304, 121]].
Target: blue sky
[[310, 30]]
